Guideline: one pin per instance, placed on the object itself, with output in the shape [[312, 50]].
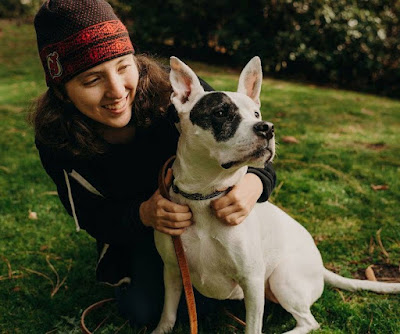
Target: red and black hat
[[76, 35]]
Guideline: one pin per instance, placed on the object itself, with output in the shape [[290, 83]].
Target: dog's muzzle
[[264, 130]]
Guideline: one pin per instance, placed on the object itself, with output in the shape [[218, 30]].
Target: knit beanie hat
[[76, 35]]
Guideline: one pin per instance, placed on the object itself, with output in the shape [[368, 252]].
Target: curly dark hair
[[60, 125]]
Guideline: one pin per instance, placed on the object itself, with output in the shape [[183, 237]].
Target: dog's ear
[[251, 79], [185, 83]]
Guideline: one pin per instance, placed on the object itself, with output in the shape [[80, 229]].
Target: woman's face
[[105, 93]]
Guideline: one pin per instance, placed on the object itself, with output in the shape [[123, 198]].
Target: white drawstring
[[84, 183], [71, 201]]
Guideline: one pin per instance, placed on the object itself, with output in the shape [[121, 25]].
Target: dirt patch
[[383, 273], [377, 146]]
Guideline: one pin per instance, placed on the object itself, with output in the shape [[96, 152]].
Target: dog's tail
[[357, 284]]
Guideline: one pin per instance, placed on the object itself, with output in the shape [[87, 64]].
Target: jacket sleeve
[[112, 221], [268, 178]]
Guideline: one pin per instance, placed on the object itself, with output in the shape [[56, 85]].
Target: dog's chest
[[215, 257]]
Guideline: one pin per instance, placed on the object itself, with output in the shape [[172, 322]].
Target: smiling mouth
[[116, 107]]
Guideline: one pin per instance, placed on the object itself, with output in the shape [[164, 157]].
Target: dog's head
[[227, 124]]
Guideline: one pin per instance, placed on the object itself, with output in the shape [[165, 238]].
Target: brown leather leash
[[91, 308], [180, 254]]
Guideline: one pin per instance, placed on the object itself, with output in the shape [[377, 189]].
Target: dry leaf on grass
[[369, 273], [5, 169], [379, 240], [379, 187], [289, 140], [371, 246], [32, 215]]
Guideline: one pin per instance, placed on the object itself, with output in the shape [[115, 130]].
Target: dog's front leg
[[173, 291], [254, 301]]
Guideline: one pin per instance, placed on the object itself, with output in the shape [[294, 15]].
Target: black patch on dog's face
[[218, 113]]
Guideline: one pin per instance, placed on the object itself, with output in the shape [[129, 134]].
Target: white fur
[[268, 248]]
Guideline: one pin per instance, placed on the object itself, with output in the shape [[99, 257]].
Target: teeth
[[115, 106]]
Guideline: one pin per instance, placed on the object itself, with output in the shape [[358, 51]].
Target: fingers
[[223, 201], [170, 231], [172, 227], [174, 218], [231, 215], [171, 218], [172, 207], [234, 219], [231, 209], [225, 211], [176, 224]]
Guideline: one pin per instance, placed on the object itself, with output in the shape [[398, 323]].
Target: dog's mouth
[[255, 155]]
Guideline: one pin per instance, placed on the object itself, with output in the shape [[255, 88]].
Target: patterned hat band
[[85, 49]]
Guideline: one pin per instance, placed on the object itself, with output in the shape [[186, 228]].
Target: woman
[[103, 129]]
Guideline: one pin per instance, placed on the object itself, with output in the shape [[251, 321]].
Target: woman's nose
[[115, 87]]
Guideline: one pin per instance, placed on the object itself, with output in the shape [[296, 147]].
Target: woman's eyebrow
[[87, 74]]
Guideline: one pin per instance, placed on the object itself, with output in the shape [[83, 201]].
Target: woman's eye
[[90, 82], [123, 68], [257, 114]]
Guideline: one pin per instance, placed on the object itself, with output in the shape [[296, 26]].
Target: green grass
[[347, 142]]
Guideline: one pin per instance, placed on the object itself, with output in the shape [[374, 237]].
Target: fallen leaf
[[290, 140], [5, 169], [371, 246], [32, 215], [43, 248], [379, 187], [16, 289], [369, 274], [379, 240]]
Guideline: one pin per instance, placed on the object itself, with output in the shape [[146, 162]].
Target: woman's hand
[[235, 206], [163, 215]]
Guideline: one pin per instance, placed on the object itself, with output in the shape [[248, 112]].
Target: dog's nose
[[264, 129]]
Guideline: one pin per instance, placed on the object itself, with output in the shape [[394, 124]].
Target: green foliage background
[[351, 43]]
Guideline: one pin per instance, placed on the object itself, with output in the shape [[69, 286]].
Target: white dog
[[269, 253]]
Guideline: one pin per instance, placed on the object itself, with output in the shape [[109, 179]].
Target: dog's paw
[[163, 329]]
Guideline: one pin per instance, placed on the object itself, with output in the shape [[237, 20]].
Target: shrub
[[351, 43]]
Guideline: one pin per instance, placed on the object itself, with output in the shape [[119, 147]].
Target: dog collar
[[197, 196]]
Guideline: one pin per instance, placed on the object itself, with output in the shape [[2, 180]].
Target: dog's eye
[[257, 114], [220, 113]]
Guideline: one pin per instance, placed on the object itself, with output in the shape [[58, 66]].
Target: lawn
[[338, 170]]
